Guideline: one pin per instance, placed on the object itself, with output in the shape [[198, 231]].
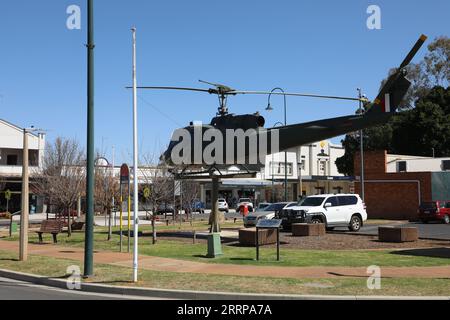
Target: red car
[[435, 211]]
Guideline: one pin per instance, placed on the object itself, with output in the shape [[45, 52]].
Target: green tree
[[426, 127]]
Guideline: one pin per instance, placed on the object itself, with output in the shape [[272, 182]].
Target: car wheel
[[316, 221], [424, 221], [446, 219], [355, 223]]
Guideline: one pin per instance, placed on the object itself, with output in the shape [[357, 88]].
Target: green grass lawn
[[246, 255], [112, 275]]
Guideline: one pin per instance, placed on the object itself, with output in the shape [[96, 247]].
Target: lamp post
[[273, 184], [361, 139], [89, 233], [269, 108]]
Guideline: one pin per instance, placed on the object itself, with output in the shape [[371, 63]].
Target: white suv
[[222, 205], [335, 210]]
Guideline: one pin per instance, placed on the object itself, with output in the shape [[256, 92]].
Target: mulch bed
[[331, 241]]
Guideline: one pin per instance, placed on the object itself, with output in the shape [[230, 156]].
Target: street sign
[[177, 188], [8, 195], [124, 174], [147, 192], [269, 223]]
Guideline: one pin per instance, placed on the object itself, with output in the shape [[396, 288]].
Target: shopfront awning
[[256, 183]]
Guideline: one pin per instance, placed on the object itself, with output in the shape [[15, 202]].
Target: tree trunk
[[110, 225], [153, 229], [69, 224]]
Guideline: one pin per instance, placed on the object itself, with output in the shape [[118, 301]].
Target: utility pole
[[361, 138], [135, 165], [23, 246], [89, 233]]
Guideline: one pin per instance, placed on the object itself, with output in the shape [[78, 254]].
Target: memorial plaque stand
[[214, 242], [268, 224]]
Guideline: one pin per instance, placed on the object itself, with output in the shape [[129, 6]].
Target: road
[[17, 290], [431, 230]]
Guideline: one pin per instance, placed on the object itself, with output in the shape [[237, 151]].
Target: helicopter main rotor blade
[[234, 92], [174, 88], [296, 95]]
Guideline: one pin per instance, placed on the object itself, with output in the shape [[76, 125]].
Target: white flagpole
[[135, 164]]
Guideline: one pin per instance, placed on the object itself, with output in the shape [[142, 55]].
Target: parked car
[[222, 205], [245, 201], [262, 206], [342, 210], [270, 212], [435, 211], [165, 208]]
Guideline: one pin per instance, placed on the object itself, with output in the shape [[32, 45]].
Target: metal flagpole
[[23, 246], [135, 165]]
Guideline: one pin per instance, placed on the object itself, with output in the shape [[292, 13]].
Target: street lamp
[[361, 140], [273, 184], [270, 108], [89, 232]]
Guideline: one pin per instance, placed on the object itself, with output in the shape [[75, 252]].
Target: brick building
[[396, 185]]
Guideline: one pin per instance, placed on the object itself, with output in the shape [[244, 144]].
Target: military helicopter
[[222, 157]]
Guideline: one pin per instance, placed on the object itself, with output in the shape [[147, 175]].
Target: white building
[[402, 163], [11, 159]]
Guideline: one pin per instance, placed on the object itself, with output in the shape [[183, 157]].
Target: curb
[[189, 295]]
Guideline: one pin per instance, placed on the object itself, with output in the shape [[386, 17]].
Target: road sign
[[124, 174], [177, 188], [8, 195], [147, 192]]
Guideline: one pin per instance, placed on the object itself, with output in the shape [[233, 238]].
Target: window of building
[[401, 166], [446, 165], [302, 164], [11, 160], [277, 168], [322, 168]]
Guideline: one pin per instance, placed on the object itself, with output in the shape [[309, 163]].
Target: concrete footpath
[[184, 266]]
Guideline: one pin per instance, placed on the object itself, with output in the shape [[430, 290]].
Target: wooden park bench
[[50, 226]]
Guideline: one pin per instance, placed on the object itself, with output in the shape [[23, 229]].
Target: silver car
[[267, 213]]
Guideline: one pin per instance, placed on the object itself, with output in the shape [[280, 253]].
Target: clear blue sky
[[308, 46]]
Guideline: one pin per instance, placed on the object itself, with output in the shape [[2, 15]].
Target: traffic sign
[[124, 174], [147, 192]]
